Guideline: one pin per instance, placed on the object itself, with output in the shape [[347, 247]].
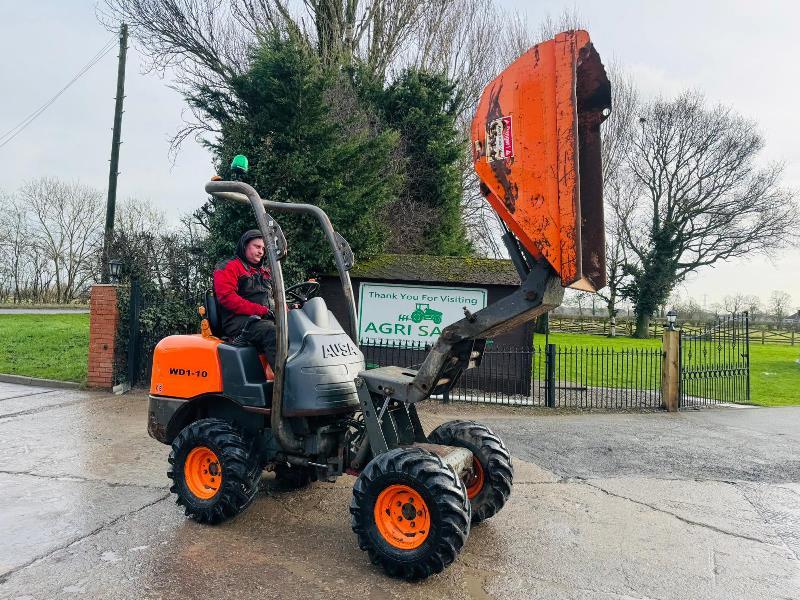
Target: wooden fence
[[759, 333]]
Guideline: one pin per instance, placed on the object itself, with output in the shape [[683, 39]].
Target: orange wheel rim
[[202, 472], [402, 517], [474, 482]]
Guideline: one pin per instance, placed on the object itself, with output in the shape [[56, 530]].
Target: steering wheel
[[303, 292]]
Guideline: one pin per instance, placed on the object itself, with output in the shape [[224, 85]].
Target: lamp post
[[672, 315], [115, 269]]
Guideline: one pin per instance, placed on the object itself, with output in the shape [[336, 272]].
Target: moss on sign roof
[[444, 269]]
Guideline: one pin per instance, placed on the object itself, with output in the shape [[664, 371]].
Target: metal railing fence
[[549, 375]]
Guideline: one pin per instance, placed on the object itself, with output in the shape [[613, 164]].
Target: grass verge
[[775, 375], [41, 306], [47, 346]]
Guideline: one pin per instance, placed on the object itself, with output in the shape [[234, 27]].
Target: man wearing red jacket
[[243, 287]]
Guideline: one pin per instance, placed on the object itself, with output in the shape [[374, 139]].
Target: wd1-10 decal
[[391, 312]]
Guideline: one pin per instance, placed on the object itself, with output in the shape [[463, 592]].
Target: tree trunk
[[642, 326], [612, 316]]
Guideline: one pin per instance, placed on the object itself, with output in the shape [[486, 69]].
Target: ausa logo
[[337, 350]]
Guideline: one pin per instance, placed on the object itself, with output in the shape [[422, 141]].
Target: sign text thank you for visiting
[[412, 313]]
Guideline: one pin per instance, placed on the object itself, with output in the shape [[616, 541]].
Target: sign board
[[412, 313]]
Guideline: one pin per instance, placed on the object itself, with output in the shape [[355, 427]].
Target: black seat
[[248, 375], [213, 314]]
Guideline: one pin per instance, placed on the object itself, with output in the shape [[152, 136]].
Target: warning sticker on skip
[[499, 141]]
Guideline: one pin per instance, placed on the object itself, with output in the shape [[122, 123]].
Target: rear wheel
[[489, 486], [410, 513], [213, 472]]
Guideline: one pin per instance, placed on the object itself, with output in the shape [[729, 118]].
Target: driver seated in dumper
[[243, 288]]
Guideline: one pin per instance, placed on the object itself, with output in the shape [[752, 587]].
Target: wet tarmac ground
[[703, 504]]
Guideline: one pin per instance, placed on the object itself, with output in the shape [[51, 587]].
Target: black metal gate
[[147, 315], [715, 363]]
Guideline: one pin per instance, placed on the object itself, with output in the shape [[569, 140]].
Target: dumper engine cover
[[322, 365]]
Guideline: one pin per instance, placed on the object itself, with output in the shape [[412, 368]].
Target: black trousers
[[260, 334]]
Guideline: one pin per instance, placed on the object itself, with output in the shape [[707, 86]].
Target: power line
[[13, 132], [17, 129]]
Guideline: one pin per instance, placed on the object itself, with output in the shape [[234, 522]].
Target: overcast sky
[[741, 53]]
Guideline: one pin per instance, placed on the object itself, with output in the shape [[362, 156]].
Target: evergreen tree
[[308, 142], [423, 107]]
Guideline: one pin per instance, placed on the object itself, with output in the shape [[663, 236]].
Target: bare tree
[[458, 38], [689, 310], [618, 130], [6, 254], [616, 261], [205, 44], [67, 220], [616, 143], [568, 18], [779, 306], [163, 256], [699, 197], [752, 304], [735, 303], [139, 229], [578, 300], [17, 246]]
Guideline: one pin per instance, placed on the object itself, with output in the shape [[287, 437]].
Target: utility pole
[[115, 143]]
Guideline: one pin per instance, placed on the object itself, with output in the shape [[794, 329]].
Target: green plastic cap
[[240, 163]]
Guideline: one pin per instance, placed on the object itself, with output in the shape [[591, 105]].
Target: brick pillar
[[103, 318]]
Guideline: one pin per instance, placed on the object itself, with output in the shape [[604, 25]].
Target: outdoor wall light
[[115, 269], [672, 315]]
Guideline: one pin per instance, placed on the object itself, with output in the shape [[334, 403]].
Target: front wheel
[[214, 474], [489, 486], [410, 513]]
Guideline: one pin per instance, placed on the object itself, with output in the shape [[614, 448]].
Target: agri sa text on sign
[[393, 312]]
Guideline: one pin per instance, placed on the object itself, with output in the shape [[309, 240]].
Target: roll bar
[[275, 243]]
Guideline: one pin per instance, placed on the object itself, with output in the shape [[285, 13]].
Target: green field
[[597, 341], [775, 375], [596, 361], [48, 346], [774, 371]]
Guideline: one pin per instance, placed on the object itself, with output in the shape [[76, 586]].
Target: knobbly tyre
[[317, 413]]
